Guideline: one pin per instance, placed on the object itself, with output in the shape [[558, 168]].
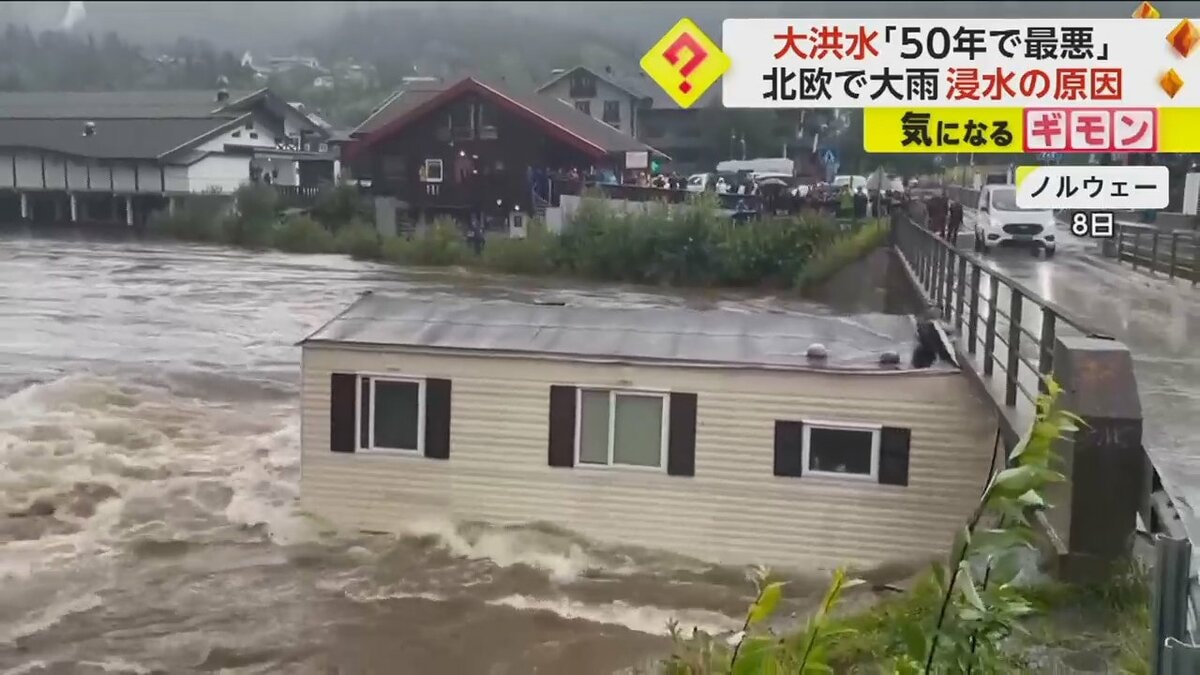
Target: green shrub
[[255, 220], [359, 241], [844, 250], [538, 253], [340, 205], [439, 245], [303, 235], [196, 218]]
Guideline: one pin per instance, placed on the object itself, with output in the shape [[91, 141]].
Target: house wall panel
[[77, 173], [123, 176], [732, 511]]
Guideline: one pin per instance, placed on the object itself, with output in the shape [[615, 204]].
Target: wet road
[[149, 461], [1157, 318]]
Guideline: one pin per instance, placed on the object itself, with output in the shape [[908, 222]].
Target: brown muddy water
[[149, 464]]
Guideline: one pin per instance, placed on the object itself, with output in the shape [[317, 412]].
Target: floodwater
[[149, 464]]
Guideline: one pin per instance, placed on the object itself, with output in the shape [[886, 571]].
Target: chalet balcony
[[297, 196]]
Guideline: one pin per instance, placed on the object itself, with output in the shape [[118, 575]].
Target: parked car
[[1001, 223]]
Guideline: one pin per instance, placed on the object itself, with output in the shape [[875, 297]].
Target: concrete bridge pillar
[[74, 207], [1095, 511], [129, 210]]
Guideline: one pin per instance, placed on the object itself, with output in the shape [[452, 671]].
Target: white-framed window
[[433, 171], [621, 427], [842, 449], [391, 414]]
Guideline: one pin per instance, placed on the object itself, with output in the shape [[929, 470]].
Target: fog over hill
[[276, 26]]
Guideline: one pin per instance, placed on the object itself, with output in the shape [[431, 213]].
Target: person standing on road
[[954, 224], [938, 211]]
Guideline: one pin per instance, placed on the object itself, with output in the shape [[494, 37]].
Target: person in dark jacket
[[954, 224]]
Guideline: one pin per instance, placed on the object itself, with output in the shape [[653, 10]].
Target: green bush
[[360, 241], [303, 235], [196, 218], [256, 218], [441, 244], [538, 253], [341, 205], [842, 251]]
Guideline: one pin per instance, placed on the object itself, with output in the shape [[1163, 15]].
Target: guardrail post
[[959, 298], [1153, 251], [1046, 348], [1174, 251], [1095, 510], [1137, 236], [1012, 370], [973, 320], [1169, 608], [948, 295], [989, 331], [1120, 242]]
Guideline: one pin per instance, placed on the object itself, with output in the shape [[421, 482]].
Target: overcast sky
[[275, 26]]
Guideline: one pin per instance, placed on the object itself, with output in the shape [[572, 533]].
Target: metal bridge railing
[[1009, 333], [1001, 323], [1175, 253]]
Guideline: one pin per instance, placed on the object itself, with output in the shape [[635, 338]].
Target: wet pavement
[[1156, 317]]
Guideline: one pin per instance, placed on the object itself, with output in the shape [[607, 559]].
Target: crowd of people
[[942, 215]]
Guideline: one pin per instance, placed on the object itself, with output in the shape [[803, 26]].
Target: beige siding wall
[[733, 510]]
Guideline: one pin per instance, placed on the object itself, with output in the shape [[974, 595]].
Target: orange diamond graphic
[[1171, 82], [1184, 37], [1146, 11]]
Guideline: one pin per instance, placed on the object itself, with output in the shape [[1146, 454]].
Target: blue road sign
[[829, 157]]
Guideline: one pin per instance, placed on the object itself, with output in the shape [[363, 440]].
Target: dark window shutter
[[437, 419], [893, 455], [789, 448], [562, 426], [681, 440], [342, 419], [364, 414]]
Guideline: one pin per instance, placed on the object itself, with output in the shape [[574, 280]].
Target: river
[[149, 464]]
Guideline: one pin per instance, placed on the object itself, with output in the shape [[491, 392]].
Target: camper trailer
[[729, 437]]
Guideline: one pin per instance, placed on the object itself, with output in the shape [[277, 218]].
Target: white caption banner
[[1094, 187], [1137, 47]]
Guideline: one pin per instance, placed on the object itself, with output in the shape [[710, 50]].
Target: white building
[[711, 434], [116, 156]]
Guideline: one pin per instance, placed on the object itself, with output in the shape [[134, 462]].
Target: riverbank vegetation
[[981, 612], [681, 245]]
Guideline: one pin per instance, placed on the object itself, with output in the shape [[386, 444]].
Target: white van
[[999, 222], [852, 182]]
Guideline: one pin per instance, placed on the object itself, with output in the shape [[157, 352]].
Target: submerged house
[[712, 434]]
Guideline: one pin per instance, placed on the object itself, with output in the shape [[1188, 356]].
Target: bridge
[[1117, 323]]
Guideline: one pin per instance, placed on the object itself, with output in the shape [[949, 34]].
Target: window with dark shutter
[[342, 405], [561, 449], [789, 448], [893, 455], [437, 418], [681, 444]]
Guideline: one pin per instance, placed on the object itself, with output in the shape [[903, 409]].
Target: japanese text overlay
[[1046, 63]]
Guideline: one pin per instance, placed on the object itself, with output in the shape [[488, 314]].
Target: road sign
[[829, 157]]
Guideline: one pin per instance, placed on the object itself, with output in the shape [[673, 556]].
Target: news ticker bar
[[1115, 188], [1025, 130]]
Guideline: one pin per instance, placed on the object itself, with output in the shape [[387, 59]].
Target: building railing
[[1175, 253], [638, 193], [297, 195]]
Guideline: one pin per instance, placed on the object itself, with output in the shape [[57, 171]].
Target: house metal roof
[[654, 335], [638, 85], [397, 104], [115, 104], [113, 138], [555, 116]]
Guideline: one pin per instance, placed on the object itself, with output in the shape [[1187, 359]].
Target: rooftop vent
[[558, 71], [889, 358], [817, 352], [89, 128], [222, 95]]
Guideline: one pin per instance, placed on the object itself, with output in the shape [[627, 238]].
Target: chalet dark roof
[[399, 103], [639, 85], [113, 138], [557, 117], [115, 104], [619, 335]]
